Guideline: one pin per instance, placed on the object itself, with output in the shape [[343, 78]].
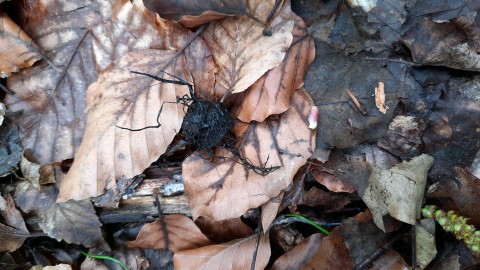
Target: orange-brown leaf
[[182, 234], [123, 99], [222, 189], [271, 93], [235, 254], [242, 52], [17, 49]]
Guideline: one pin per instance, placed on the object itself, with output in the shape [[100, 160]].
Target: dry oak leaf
[[242, 53], [182, 234], [17, 49], [236, 254], [81, 38], [271, 93], [120, 98], [223, 189]]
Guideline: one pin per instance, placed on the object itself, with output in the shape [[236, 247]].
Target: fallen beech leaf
[[299, 254], [81, 38], [270, 210], [225, 230], [121, 98], [235, 254], [30, 171], [182, 234], [271, 93], [11, 238], [223, 189], [73, 221], [56, 267], [194, 13], [17, 49], [331, 254], [242, 52], [398, 191]]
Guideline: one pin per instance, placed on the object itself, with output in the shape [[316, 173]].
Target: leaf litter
[[254, 63]]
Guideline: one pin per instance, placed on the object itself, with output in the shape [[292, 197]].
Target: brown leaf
[[11, 238], [182, 234], [270, 211], [242, 52], [463, 194], [271, 93], [12, 216], [73, 221], [17, 48], [235, 254], [123, 99], [225, 230], [194, 13], [390, 260], [222, 189], [82, 39], [300, 254], [329, 200], [331, 254], [331, 181]]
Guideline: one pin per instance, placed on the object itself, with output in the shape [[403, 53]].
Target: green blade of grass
[[308, 221], [102, 257]]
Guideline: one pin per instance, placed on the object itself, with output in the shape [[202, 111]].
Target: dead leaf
[[330, 181], [223, 189], [194, 13], [461, 194], [10, 149], [331, 254], [300, 254], [452, 136], [271, 93], [362, 237], [444, 35], [235, 254], [225, 230], [242, 53], [425, 240], [30, 171], [182, 234], [404, 137], [82, 39], [398, 191], [56, 267], [73, 221], [270, 210], [17, 48], [11, 238], [328, 200], [123, 99], [12, 216], [390, 260]]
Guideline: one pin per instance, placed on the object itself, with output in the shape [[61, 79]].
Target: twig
[[6, 89], [414, 246], [401, 61], [355, 101]]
